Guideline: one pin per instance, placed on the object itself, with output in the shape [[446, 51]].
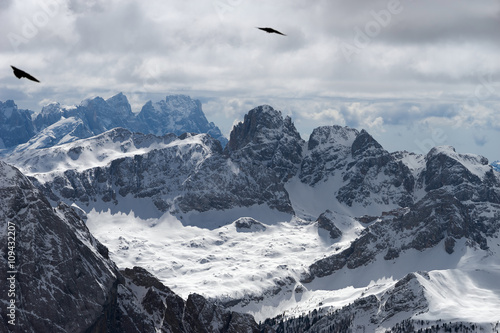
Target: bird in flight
[[271, 30], [20, 73]]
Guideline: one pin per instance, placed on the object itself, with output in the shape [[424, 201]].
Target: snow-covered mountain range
[[56, 124], [306, 236]]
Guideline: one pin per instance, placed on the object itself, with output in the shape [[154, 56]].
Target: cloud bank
[[398, 68]]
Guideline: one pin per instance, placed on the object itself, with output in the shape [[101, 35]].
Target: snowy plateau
[[332, 234]]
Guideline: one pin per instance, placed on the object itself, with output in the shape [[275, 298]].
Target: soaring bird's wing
[[20, 73], [271, 30], [29, 77]]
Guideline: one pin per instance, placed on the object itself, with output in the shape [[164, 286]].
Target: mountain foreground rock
[[60, 278]]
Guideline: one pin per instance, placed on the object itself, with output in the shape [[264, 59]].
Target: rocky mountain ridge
[[460, 199], [375, 207], [62, 279], [264, 154], [56, 124], [16, 126]]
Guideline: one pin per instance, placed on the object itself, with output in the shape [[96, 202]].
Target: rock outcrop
[[60, 278]]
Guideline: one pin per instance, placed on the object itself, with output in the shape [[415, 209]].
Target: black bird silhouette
[[271, 30], [20, 73]]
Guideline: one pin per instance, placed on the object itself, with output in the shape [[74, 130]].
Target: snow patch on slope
[[458, 295], [88, 153], [345, 286], [476, 164], [309, 202]]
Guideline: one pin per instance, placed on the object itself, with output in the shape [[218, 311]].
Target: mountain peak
[[452, 153], [447, 150], [51, 108], [261, 125], [176, 114], [265, 136], [16, 126], [118, 98], [332, 135], [364, 141], [444, 166], [50, 238], [178, 97], [120, 103], [172, 104], [97, 100]]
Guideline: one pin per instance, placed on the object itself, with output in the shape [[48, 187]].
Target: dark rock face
[[453, 207], [248, 224], [407, 295], [370, 173], [363, 144], [140, 175], [375, 175], [190, 164], [65, 282], [63, 279], [443, 168], [326, 222], [252, 170], [329, 148], [157, 308], [15, 125], [356, 255], [122, 109], [203, 316], [437, 216], [99, 116], [266, 139]]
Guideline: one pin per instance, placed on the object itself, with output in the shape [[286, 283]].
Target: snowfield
[[228, 263]]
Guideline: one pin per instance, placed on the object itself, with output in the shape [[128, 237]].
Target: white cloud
[[425, 65]]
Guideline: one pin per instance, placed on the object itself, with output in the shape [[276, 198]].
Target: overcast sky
[[413, 73]]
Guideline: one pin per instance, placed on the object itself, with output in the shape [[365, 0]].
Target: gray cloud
[[431, 62], [480, 140]]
